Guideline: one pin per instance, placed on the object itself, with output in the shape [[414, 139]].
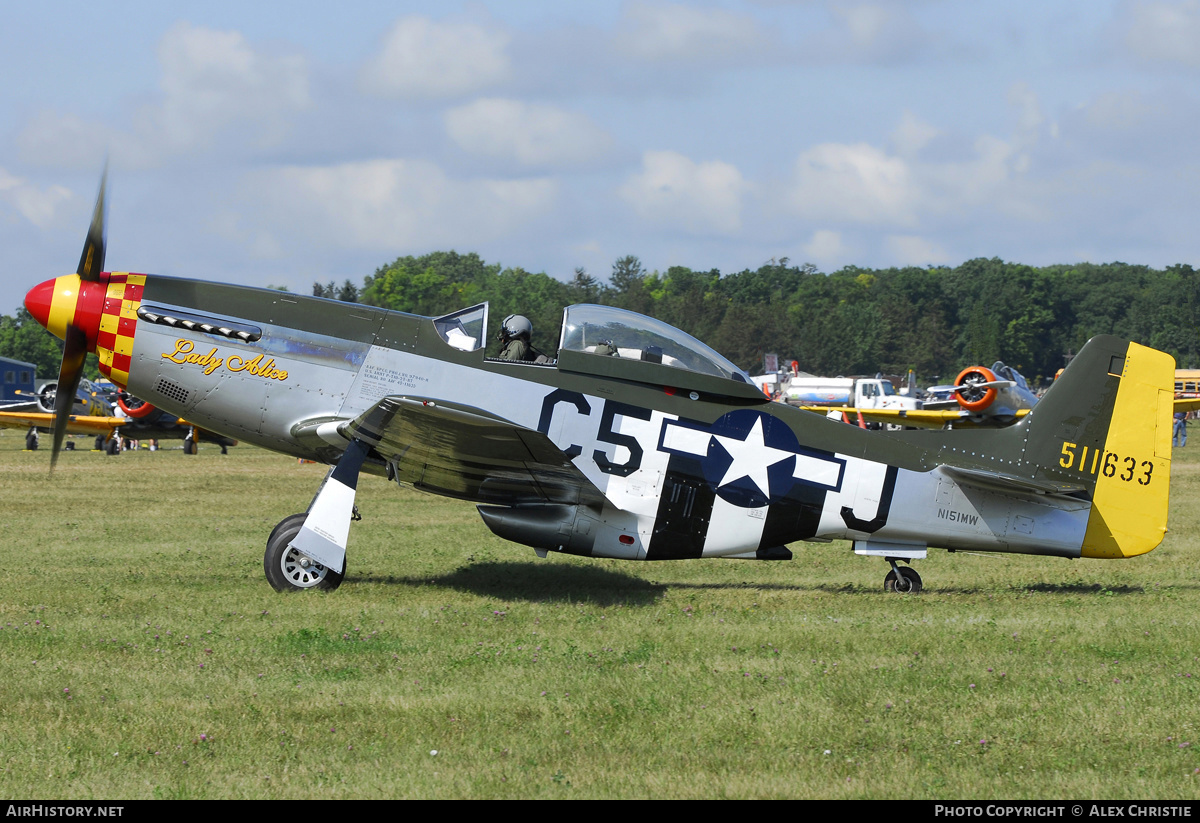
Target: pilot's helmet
[[516, 325]]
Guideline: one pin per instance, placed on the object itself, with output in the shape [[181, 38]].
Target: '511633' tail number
[[1109, 464]]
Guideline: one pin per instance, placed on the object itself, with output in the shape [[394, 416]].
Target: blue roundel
[[751, 458]]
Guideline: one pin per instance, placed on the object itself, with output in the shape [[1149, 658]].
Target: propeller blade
[[75, 349], [69, 374], [994, 384], [91, 262]]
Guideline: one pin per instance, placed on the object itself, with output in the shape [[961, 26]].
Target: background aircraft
[[979, 396], [110, 421], [665, 450], [997, 396], [89, 399]]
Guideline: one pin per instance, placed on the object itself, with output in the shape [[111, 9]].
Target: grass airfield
[[143, 655]]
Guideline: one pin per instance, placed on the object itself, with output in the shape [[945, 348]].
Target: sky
[[285, 143]]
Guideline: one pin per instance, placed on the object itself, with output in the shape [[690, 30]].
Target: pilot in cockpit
[[515, 332]]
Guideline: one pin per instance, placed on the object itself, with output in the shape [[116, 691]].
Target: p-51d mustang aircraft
[[636, 441]]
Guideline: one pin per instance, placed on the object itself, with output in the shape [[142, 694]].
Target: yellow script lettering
[[185, 354]]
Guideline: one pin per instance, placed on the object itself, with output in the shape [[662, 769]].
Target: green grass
[[143, 655]]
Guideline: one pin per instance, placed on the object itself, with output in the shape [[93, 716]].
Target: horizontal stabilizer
[[1010, 482]]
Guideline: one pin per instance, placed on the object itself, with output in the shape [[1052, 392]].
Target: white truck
[[859, 392]]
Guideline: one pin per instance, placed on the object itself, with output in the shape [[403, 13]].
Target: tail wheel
[[906, 582], [288, 570]]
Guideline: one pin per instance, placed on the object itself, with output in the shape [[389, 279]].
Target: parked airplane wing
[[469, 453], [76, 423], [916, 418]]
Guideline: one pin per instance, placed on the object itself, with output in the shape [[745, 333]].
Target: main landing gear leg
[[308, 551], [902, 579]]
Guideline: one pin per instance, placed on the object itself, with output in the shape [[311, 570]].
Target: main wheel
[[31, 441], [909, 581], [289, 570], [189, 446], [113, 447]]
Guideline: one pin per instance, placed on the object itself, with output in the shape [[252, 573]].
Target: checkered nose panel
[[118, 323]]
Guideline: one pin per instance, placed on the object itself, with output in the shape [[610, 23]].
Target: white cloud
[[1030, 118], [825, 247], [672, 190], [214, 78], [38, 206], [1165, 32], [529, 133], [864, 184], [912, 250], [912, 134], [423, 58], [389, 205], [856, 183], [68, 141], [872, 33], [687, 33], [1122, 111], [212, 81]]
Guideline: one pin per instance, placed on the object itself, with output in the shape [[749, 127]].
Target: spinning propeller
[[69, 307]]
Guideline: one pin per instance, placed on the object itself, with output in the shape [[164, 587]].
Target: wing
[[76, 423], [1187, 404], [20, 406], [918, 418], [466, 452]]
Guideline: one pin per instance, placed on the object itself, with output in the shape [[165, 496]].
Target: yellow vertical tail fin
[[1133, 472]]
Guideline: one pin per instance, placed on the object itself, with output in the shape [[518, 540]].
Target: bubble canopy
[[612, 332]]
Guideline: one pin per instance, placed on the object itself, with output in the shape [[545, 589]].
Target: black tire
[[99, 443], [69, 446], [911, 583], [285, 567], [286, 523], [189, 446], [113, 447], [31, 441]]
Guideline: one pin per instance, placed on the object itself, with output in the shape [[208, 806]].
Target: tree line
[[935, 320]]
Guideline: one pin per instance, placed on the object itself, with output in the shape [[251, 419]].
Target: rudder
[[1105, 426], [1129, 505]]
